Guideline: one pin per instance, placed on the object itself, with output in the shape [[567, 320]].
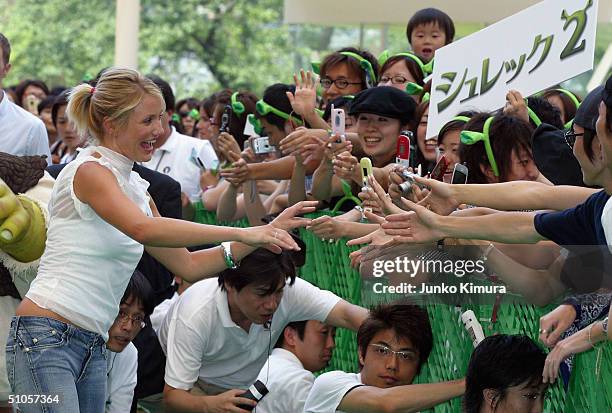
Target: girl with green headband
[[400, 70], [564, 100], [187, 113], [497, 148], [449, 140]]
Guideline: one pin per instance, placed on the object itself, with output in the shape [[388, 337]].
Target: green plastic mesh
[[328, 267]]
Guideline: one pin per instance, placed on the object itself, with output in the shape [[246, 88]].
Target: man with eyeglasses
[[122, 357], [393, 343]]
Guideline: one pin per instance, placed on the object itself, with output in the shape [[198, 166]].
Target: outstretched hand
[[440, 197], [418, 226]]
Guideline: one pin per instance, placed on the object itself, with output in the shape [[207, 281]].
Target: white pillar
[[126, 33]]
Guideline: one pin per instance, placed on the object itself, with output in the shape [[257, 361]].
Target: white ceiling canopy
[[333, 12]]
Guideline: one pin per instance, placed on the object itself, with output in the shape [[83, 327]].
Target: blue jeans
[[46, 357]]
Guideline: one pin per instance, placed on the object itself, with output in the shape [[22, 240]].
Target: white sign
[[536, 48]]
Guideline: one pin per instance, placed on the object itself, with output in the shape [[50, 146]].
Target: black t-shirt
[[580, 225]]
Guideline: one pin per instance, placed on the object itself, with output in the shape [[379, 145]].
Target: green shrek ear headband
[[365, 65], [256, 123], [263, 109], [426, 69], [237, 106], [471, 137], [193, 114], [574, 100]]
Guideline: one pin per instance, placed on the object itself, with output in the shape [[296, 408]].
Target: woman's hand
[[334, 146], [418, 226], [237, 173], [346, 166], [289, 219], [516, 106], [440, 198], [297, 140], [274, 236], [375, 194], [326, 227], [574, 344], [555, 323], [304, 100], [227, 143]]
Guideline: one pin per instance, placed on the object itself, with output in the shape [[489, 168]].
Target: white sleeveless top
[[87, 262]]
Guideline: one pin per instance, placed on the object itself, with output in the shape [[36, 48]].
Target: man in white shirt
[[222, 329], [173, 150], [21, 133], [122, 356], [393, 342], [304, 348]]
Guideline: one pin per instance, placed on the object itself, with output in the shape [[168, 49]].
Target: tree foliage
[[198, 45]]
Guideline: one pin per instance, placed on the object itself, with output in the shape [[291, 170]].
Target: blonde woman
[[100, 218]]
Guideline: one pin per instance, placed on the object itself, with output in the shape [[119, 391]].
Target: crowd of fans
[[132, 306]]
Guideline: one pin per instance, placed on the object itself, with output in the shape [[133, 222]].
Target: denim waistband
[[89, 338]]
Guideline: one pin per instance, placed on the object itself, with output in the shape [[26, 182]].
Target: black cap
[[554, 158], [384, 101], [588, 112]]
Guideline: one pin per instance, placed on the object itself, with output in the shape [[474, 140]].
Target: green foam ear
[[425, 97], [428, 68], [383, 57], [194, 114], [413, 89], [316, 67], [471, 137], [176, 118]]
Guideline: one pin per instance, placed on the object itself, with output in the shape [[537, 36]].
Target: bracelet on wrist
[[227, 255]]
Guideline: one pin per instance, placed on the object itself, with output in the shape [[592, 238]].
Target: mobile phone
[[473, 327], [338, 123], [366, 171], [205, 158], [262, 146], [460, 174], [412, 147], [403, 151], [226, 119], [32, 103], [256, 392], [440, 169]]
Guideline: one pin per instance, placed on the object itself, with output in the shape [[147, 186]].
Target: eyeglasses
[[570, 137], [384, 351], [396, 80], [137, 319], [340, 83]]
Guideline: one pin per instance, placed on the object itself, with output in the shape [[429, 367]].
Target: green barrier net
[[328, 267]]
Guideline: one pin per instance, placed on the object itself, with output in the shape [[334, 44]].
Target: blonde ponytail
[[115, 96]]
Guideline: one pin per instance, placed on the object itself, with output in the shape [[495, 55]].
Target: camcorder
[[256, 392]]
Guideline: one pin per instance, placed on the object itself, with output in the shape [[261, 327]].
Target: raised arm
[[400, 399], [422, 225], [95, 185], [515, 195]]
